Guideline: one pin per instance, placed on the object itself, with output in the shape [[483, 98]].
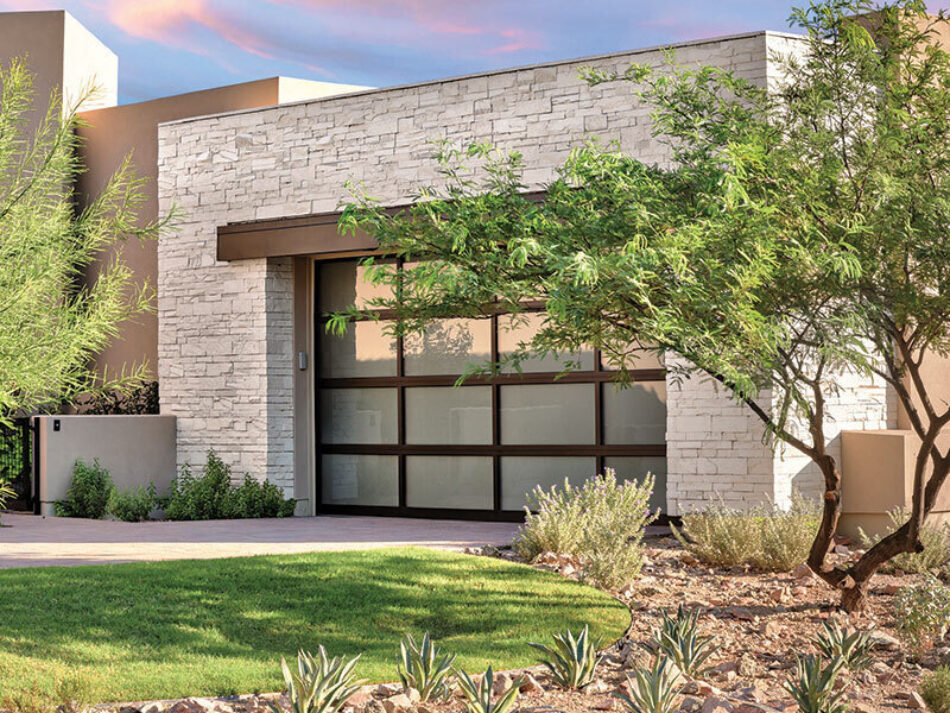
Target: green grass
[[214, 627]]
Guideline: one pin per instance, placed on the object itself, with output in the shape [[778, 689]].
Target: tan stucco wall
[[135, 450], [115, 132]]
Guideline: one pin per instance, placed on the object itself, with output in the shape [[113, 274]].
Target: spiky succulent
[[652, 690], [813, 686], [320, 684], [424, 668], [572, 660], [478, 697], [853, 647], [677, 637]]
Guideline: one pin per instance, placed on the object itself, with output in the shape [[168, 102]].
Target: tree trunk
[[854, 597]]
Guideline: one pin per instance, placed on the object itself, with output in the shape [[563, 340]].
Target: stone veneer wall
[[225, 329]]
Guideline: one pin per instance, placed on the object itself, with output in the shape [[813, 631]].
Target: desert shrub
[[922, 615], [142, 399], [88, 493], [210, 496], [573, 660], [320, 684], [133, 505], [851, 646], [6, 493], [600, 522], [424, 668], [935, 690], [813, 686], [934, 538], [652, 690], [766, 537]]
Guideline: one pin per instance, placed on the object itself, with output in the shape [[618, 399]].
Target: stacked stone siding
[[225, 329]]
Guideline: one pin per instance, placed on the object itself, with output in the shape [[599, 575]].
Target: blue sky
[[172, 46]]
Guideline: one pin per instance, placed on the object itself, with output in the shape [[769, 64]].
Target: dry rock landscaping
[[761, 623]]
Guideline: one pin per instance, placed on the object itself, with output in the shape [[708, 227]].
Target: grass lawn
[[214, 627]]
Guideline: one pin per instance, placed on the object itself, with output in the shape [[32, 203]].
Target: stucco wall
[[226, 355]]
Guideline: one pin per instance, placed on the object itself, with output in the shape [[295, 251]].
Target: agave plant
[[652, 690], [572, 660], [423, 668], [813, 686], [853, 647], [320, 684], [478, 697], [677, 638]]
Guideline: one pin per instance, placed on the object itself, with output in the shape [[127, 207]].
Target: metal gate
[[16, 459]]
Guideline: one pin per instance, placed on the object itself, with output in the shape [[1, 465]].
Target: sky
[[172, 46]]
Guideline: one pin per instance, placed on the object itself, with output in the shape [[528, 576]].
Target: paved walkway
[[32, 541]]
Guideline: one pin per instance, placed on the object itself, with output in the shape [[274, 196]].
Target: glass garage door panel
[[521, 474], [547, 413], [634, 468], [461, 482], [365, 350], [448, 415], [358, 416], [636, 414], [448, 346], [344, 284], [360, 480], [512, 331]]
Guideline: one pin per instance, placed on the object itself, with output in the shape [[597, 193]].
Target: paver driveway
[[31, 541]]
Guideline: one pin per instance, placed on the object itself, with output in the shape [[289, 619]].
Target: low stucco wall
[[136, 450]]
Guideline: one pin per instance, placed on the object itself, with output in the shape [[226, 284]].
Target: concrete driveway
[[33, 541]]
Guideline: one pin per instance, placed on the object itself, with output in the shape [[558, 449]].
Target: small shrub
[[766, 537], [934, 538], [424, 669], [652, 690], [851, 646], [677, 638], [320, 684], [210, 496], [813, 686], [572, 660], [601, 522], [132, 505], [88, 493], [935, 690], [478, 696], [922, 614], [6, 493]]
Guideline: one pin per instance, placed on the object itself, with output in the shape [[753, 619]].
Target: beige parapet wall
[[877, 473], [136, 450]]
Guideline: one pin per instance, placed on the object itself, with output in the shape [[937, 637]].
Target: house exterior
[[361, 424]]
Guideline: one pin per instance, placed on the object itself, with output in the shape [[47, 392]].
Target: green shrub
[[320, 684], [935, 690], [6, 493], [934, 538], [678, 639], [88, 493], [766, 537], [210, 496], [424, 668], [572, 660], [652, 690], [132, 505], [851, 646], [601, 522], [922, 615], [478, 696], [813, 687]]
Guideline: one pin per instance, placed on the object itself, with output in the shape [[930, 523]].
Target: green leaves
[[320, 684], [478, 697], [423, 668], [812, 687], [677, 638], [652, 690], [573, 660]]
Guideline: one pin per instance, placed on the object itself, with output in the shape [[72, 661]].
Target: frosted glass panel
[[360, 480], [520, 475], [463, 482], [633, 468], [343, 284], [363, 351], [443, 414], [636, 414], [512, 330], [634, 360], [358, 416], [547, 413], [447, 346]]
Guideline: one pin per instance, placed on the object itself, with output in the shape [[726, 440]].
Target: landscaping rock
[[915, 701], [190, 705], [531, 685], [691, 704], [388, 689], [715, 704], [399, 702], [863, 707], [596, 687], [501, 683], [880, 640], [363, 696], [374, 706]]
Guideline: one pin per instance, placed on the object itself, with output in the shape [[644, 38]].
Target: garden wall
[[135, 449]]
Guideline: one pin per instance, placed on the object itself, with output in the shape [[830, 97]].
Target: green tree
[[53, 319], [795, 236]]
